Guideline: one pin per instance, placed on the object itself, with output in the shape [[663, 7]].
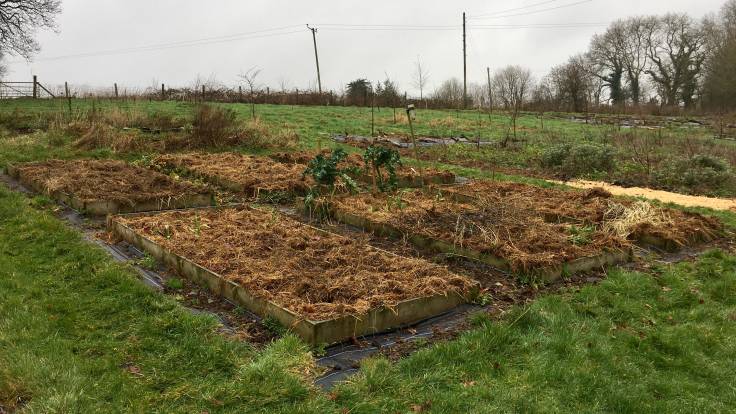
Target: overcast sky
[[153, 41]]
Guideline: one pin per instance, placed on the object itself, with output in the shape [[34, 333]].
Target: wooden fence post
[[35, 87], [116, 91], [68, 97], [202, 93], [163, 92]]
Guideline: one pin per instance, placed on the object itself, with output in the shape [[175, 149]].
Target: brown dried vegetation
[[92, 180], [628, 219], [316, 274], [245, 173], [502, 229]]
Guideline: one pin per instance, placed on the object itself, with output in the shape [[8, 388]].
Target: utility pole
[[316, 58], [490, 93], [465, 67]]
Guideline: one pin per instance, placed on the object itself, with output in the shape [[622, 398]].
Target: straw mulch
[[316, 274]]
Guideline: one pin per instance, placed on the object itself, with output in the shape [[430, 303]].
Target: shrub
[[701, 173], [256, 135], [579, 159], [213, 126], [19, 121]]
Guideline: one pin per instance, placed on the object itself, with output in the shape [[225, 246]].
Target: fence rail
[[33, 89]]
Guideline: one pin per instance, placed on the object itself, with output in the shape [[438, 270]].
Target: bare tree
[[249, 77], [720, 71], [677, 52], [3, 68], [635, 57], [19, 20], [572, 83], [449, 93], [421, 78], [513, 85], [606, 52]]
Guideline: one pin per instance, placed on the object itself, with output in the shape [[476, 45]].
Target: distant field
[[659, 152]]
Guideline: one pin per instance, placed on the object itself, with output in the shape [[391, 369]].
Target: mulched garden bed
[[241, 173], [502, 234], [314, 275], [637, 221], [406, 176], [107, 186]]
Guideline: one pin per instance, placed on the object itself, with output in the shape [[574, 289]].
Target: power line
[[536, 11], [185, 43], [529, 6], [284, 30], [346, 27]]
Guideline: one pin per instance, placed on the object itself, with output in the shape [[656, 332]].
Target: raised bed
[[406, 176], [251, 175], [324, 287], [638, 221], [101, 187], [503, 236]]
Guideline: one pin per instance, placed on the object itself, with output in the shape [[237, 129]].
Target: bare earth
[[663, 196]]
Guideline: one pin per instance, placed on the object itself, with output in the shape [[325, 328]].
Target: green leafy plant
[[396, 201], [175, 283], [379, 159], [581, 235], [326, 172], [148, 262]]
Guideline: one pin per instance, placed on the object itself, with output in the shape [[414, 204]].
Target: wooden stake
[[116, 91], [68, 98]]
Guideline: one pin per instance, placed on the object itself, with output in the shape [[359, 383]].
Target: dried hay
[[632, 220], [252, 174], [316, 274], [93, 180], [623, 221], [498, 227]]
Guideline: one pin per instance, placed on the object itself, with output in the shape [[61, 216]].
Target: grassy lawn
[[80, 333]]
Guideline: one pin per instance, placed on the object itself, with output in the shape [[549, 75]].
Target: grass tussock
[[214, 126]]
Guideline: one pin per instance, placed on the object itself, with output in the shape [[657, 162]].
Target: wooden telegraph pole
[[490, 94], [465, 68], [316, 58]]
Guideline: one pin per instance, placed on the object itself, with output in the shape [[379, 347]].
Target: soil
[[315, 274], [596, 206], [109, 180], [252, 174], [505, 229], [403, 173]]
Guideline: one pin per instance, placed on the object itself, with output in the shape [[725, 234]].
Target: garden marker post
[[410, 110]]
